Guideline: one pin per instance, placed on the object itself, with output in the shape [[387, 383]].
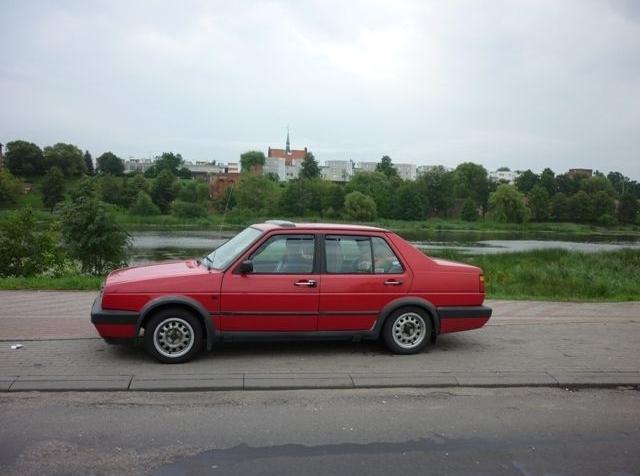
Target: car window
[[386, 262], [285, 254], [348, 254]]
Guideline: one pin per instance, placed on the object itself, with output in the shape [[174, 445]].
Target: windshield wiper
[[206, 258]]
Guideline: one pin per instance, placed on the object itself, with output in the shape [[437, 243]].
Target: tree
[[436, 189], [24, 159], [560, 209], [296, 197], [131, 187], [168, 161], [252, 160], [469, 211], [164, 190], [188, 209], [110, 163], [143, 205], [618, 181], [548, 181], [111, 190], [184, 173], [10, 188], [507, 204], [91, 234], [471, 181], [257, 193], [67, 157], [526, 181], [359, 207], [628, 208], [539, 203], [602, 205], [25, 251], [88, 163], [581, 207], [410, 205], [596, 184], [386, 167], [53, 188], [568, 184], [310, 168], [377, 186]]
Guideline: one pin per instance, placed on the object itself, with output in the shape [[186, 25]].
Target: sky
[[523, 84]]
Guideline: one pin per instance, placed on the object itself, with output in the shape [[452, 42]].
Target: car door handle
[[392, 282], [309, 283]]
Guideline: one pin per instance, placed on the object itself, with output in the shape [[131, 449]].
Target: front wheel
[[173, 336], [407, 331]]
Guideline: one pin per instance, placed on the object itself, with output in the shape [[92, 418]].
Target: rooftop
[[279, 224]]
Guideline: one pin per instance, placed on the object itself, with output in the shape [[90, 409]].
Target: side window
[[386, 262], [285, 254], [348, 254]]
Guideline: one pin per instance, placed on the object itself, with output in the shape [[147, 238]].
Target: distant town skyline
[[520, 84]]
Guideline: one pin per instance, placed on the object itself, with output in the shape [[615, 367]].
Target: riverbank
[[551, 275]]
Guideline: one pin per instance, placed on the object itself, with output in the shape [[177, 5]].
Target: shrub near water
[[560, 274]]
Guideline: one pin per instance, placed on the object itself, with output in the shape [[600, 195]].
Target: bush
[[359, 207], [90, 233], [23, 250], [507, 205], [607, 220], [53, 188], [183, 209], [10, 189], [469, 211], [143, 205]]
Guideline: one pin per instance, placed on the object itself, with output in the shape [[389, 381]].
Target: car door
[[280, 294], [361, 274]]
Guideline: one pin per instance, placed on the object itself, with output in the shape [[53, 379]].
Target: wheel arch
[[408, 302], [184, 302]]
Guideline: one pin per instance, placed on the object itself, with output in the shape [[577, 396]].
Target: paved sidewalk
[[526, 344]]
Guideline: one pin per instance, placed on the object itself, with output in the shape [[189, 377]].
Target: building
[[504, 175], [366, 166], [405, 171], [137, 165], [585, 173], [285, 163], [218, 184], [337, 170], [203, 169]]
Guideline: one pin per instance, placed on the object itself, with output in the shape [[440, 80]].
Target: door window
[[360, 255], [285, 254], [385, 260]]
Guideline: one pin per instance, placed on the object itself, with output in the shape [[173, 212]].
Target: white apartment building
[[137, 165], [406, 171], [275, 166], [337, 170], [508, 176]]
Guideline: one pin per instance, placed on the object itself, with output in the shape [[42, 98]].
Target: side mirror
[[246, 267]]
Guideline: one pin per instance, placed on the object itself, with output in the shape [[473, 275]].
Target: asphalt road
[[328, 432]]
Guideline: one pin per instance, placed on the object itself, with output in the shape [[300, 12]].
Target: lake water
[[164, 245]]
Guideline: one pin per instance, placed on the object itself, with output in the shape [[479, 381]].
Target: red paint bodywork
[[272, 303]]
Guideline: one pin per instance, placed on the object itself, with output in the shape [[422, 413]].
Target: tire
[[173, 336], [407, 330]]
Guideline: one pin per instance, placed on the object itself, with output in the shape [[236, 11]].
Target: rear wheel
[[173, 336], [407, 330]]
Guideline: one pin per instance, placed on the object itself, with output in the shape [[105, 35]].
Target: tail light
[[481, 282]]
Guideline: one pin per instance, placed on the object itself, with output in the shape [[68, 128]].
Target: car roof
[[282, 224]]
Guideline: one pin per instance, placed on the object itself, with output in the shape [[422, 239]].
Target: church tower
[[288, 145]]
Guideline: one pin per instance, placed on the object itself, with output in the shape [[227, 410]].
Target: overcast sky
[[525, 84]]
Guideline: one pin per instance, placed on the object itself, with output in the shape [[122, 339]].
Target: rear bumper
[[115, 327], [462, 318]]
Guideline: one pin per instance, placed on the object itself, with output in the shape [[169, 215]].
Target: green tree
[[10, 188], [568, 184], [168, 161], [310, 168], [596, 184], [628, 208], [164, 190], [296, 197], [386, 167], [410, 205], [377, 186], [188, 209], [184, 173], [526, 181], [548, 181], [68, 157], [471, 181], [143, 205], [359, 207], [88, 163], [25, 251], [257, 193], [110, 163], [602, 205], [469, 211], [507, 204], [53, 187], [619, 182], [251, 160], [24, 159], [91, 234], [539, 203], [560, 208], [436, 190], [581, 207], [132, 186], [111, 190], [189, 192]]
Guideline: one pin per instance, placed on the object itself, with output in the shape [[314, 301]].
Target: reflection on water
[[167, 245]]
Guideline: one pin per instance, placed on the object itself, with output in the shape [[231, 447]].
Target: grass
[[548, 275]]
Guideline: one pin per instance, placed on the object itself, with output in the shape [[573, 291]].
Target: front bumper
[[462, 318], [115, 327]]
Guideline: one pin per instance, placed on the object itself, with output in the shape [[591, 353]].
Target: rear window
[[360, 255]]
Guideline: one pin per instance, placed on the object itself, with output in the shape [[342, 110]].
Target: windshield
[[230, 250]]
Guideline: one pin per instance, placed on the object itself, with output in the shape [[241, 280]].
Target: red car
[[280, 279]]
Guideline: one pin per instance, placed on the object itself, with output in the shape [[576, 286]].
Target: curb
[[318, 381]]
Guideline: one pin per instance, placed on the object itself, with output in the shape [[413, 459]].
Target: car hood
[[170, 276]]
